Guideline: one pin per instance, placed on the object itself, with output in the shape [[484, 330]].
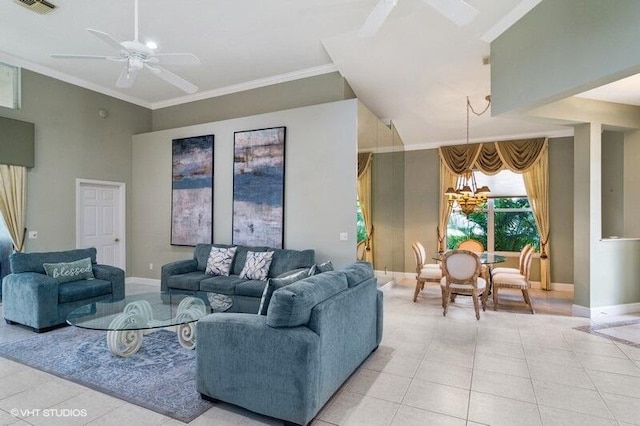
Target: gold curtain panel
[[516, 155], [364, 159]]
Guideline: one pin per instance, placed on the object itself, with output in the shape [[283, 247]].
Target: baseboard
[[392, 277], [138, 280], [613, 310], [554, 286]]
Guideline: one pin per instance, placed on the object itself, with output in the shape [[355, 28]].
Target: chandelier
[[466, 195]]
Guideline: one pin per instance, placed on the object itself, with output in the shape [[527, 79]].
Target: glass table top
[[485, 258], [147, 311]]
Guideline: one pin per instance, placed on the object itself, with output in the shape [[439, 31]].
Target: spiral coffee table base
[[137, 315]]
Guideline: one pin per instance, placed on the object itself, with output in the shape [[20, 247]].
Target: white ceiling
[[417, 71]]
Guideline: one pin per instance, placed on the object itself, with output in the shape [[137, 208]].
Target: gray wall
[[320, 184], [388, 205], [422, 189], [293, 94], [72, 141], [613, 171], [562, 48], [561, 209]]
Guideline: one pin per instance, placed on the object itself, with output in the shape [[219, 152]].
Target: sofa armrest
[[176, 268], [272, 371], [114, 275], [27, 292]]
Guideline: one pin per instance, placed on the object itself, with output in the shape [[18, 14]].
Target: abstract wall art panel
[[258, 187], [192, 191]]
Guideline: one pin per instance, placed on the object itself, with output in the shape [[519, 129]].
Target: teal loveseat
[[188, 276], [288, 363], [32, 298]]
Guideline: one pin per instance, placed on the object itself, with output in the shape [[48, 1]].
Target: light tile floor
[[509, 368]]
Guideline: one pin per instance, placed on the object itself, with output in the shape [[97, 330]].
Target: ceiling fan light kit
[[137, 56]]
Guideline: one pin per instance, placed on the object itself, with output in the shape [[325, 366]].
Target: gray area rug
[[160, 377]]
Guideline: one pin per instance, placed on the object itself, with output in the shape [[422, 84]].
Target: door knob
[[117, 240]]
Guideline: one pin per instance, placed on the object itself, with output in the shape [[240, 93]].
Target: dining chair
[[516, 281], [425, 272], [476, 247], [471, 245], [461, 274], [520, 269]]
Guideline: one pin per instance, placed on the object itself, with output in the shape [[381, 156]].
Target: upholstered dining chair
[[471, 245], [476, 247], [516, 281], [425, 272], [520, 269], [461, 274]]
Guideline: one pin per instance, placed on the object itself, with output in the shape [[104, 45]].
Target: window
[[506, 224], [9, 86], [360, 228]]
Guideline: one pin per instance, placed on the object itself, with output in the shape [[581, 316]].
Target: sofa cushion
[[188, 281], [274, 284], [291, 306], [74, 291], [358, 272], [286, 260], [32, 262], [70, 271], [220, 259], [221, 284], [256, 267], [251, 288]]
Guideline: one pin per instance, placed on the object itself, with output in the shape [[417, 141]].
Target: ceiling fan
[[137, 56], [458, 11]]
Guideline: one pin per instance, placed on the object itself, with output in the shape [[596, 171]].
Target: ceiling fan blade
[[376, 18], [177, 58], [65, 56], [127, 77], [107, 39], [171, 78], [458, 11]]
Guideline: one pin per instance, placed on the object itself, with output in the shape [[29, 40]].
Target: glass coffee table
[[127, 320]]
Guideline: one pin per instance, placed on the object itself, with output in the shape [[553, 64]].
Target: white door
[[100, 220]]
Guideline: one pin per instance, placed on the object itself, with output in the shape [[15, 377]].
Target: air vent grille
[[39, 6]]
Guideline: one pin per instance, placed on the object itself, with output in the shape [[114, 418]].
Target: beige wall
[[72, 141], [293, 94], [320, 184]]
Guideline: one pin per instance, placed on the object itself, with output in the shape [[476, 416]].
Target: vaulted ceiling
[[416, 71]]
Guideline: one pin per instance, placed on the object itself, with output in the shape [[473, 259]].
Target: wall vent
[[39, 6]]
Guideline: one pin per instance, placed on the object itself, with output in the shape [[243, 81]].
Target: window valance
[[516, 155]]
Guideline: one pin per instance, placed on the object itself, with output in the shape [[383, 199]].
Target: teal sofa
[[188, 276], [32, 298], [288, 363]]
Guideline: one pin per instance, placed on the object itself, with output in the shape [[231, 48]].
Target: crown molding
[[433, 145], [254, 84], [40, 69]]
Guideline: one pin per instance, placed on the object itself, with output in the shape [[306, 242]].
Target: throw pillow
[[256, 267], [275, 283], [320, 268], [220, 259], [70, 271]]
